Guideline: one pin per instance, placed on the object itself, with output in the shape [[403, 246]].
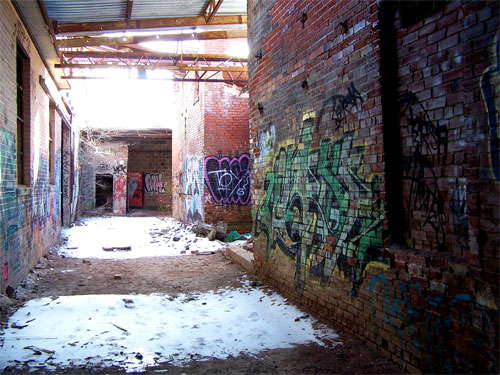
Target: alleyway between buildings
[[144, 295]]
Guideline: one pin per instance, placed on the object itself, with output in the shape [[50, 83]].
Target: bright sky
[[123, 102]]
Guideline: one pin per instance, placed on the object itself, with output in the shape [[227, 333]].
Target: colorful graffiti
[[119, 195], [319, 210], [154, 183], [430, 143], [192, 188], [267, 138], [490, 87], [10, 216], [228, 180], [436, 323]]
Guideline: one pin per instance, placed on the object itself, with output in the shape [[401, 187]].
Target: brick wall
[[187, 151], [383, 220], [215, 178], [155, 161], [30, 214]]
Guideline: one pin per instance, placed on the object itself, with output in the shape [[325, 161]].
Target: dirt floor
[[57, 276]]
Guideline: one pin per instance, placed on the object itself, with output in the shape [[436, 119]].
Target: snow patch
[[136, 331], [147, 237]]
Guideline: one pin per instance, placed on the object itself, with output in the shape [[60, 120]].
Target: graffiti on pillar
[[320, 210], [120, 169], [438, 323], [430, 144], [228, 180], [66, 171], [154, 182], [490, 87], [119, 195], [192, 188]]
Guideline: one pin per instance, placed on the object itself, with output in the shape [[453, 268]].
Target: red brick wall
[[187, 150], [219, 114], [227, 195], [324, 120]]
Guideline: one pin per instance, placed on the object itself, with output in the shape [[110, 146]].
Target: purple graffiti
[[228, 180]]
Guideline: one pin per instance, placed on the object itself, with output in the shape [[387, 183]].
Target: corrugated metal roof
[[69, 11], [143, 9], [231, 7]]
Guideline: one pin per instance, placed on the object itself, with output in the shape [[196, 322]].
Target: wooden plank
[[211, 9], [155, 23], [99, 41], [128, 13]]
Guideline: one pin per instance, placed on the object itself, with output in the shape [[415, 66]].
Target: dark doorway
[[104, 192]]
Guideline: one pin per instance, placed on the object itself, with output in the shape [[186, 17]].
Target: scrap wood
[[118, 248]]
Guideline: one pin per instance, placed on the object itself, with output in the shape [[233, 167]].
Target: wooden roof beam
[[211, 9], [155, 23], [118, 41], [128, 13]]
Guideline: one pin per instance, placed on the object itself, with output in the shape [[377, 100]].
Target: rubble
[[210, 231]]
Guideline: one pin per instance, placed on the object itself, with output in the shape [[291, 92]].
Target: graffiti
[[490, 89], [267, 139], [192, 188], [430, 142], [458, 205], [119, 195], [435, 322], [228, 180], [154, 183], [103, 168], [341, 105], [10, 216], [132, 185], [120, 169], [319, 210], [66, 171]]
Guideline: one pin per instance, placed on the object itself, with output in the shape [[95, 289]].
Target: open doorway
[[104, 192]]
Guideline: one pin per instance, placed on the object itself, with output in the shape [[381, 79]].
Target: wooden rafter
[[99, 41], [157, 23], [128, 13], [211, 9]]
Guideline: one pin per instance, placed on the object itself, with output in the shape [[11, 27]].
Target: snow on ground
[[147, 236], [135, 331]]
